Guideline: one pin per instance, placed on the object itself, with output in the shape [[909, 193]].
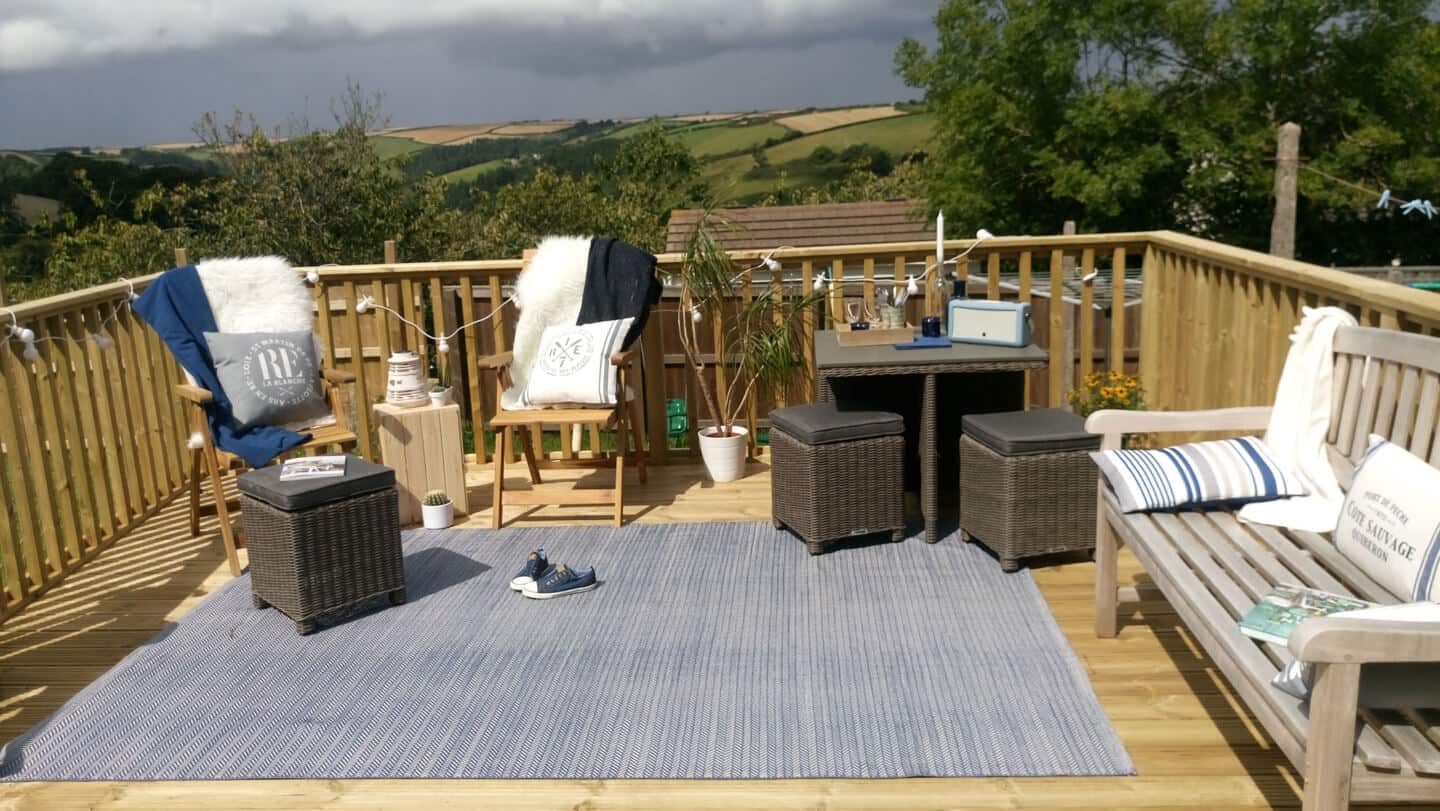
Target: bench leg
[[1330, 748], [1107, 551]]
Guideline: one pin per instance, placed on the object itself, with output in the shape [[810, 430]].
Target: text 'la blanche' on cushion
[[270, 378], [1224, 472]]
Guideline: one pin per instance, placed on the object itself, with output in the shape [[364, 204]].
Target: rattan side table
[[1027, 484], [318, 545]]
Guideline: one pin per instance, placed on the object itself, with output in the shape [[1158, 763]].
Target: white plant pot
[[439, 516], [724, 455], [441, 397]]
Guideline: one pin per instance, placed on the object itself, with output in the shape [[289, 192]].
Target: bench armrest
[[337, 377], [497, 361], [194, 394], [1342, 640], [1115, 423], [623, 358]]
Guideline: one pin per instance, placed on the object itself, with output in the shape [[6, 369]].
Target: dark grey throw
[[619, 283]]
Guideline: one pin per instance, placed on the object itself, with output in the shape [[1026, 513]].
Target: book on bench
[[1276, 615]]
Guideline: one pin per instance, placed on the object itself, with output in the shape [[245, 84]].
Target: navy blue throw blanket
[[175, 306]]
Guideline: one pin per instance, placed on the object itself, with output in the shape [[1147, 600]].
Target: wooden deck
[[1193, 745]]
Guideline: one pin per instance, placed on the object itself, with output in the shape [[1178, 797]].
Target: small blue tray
[[925, 343]]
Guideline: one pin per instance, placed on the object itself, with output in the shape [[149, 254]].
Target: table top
[[829, 354]]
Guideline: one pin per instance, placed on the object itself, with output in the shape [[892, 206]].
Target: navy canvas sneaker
[[535, 566], [560, 581]]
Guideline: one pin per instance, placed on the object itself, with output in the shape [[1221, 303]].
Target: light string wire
[[912, 282], [26, 336], [367, 303]]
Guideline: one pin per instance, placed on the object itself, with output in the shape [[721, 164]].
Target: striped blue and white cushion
[[1201, 474]]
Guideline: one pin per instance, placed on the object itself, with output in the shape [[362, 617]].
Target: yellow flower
[[1115, 374]]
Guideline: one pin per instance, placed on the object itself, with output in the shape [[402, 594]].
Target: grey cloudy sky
[[118, 72]]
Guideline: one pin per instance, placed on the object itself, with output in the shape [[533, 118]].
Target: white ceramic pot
[[439, 516], [405, 382], [441, 397], [724, 455]]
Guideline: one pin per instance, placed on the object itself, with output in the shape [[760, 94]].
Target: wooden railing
[[92, 440]]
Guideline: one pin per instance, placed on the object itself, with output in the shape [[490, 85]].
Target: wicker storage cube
[[1034, 494], [319, 545], [842, 476]]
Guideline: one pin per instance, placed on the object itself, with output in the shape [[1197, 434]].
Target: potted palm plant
[[762, 340]]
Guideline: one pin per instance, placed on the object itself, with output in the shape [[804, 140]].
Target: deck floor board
[[1193, 744]]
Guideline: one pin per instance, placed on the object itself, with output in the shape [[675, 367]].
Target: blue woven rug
[[708, 651]]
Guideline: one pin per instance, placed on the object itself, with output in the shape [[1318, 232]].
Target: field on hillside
[[830, 119], [726, 139], [473, 171], [738, 179]]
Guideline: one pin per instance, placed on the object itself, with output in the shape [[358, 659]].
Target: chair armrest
[[194, 394], [1341, 640], [337, 376], [497, 361], [1115, 423], [623, 358]]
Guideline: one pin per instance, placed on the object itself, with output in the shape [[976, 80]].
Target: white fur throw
[[260, 294], [548, 293], [256, 294]]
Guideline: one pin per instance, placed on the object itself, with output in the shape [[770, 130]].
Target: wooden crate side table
[[423, 446]]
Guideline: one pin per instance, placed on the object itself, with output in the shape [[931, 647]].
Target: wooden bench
[[1213, 569]]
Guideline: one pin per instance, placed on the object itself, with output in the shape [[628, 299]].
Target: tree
[[1138, 114]]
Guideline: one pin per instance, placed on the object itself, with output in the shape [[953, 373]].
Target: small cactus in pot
[[436, 510]]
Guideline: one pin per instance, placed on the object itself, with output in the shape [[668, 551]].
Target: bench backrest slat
[[1386, 382]]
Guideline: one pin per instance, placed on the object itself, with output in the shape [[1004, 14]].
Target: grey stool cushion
[[822, 424], [1020, 433], [361, 476]]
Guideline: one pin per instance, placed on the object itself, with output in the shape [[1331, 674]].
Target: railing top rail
[[65, 302], [1416, 305], [381, 269], [999, 244], [1376, 293]]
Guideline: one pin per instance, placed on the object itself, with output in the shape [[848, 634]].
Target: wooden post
[[1287, 170], [181, 257], [1067, 370]]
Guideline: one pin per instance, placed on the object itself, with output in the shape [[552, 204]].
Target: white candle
[[940, 244]]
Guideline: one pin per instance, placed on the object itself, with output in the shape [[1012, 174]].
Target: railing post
[[1287, 170], [1151, 312]]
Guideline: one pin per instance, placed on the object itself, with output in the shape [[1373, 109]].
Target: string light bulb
[[820, 281], [984, 234], [364, 304], [102, 341], [695, 314], [442, 346], [30, 353], [312, 276], [772, 265], [911, 287]]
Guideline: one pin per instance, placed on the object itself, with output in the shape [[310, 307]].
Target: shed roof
[[802, 226]]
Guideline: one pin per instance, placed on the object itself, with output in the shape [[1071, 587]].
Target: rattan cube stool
[[837, 474], [322, 544], [1027, 484]]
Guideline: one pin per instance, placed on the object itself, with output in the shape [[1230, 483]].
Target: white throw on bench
[[1214, 568]]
